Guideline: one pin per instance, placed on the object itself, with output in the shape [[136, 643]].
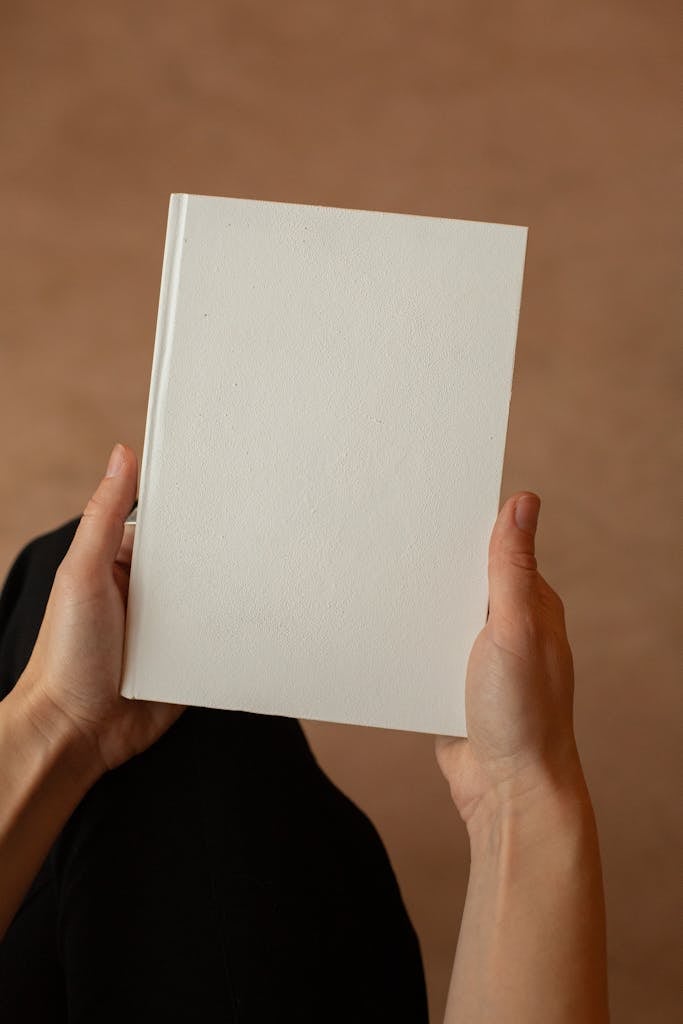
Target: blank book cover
[[322, 461]]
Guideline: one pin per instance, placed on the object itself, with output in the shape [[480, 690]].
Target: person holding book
[[168, 864]]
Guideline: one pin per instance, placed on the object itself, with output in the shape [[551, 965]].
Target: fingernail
[[115, 464], [526, 513]]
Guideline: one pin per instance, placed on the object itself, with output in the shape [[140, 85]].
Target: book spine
[[158, 386]]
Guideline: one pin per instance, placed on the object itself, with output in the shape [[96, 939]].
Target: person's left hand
[[71, 682]]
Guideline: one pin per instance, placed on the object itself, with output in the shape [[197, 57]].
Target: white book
[[322, 461]]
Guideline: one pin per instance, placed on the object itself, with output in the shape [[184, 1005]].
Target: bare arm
[[532, 938], [532, 947], [45, 774], [64, 724]]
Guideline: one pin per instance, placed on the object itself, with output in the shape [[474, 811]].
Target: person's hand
[[520, 684], [71, 682]]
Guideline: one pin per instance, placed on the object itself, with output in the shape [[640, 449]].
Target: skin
[[532, 944], [532, 937]]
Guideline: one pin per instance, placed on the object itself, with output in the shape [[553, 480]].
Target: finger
[[100, 531], [512, 567], [125, 553]]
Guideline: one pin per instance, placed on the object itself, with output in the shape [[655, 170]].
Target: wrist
[[49, 736], [532, 943], [46, 772], [548, 813]]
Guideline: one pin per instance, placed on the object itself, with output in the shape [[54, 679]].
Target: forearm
[[532, 939], [44, 773]]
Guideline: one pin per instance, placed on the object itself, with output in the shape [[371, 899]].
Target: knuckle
[[95, 500], [99, 510], [552, 599], [523, 622], [94, 507], [523, 560]]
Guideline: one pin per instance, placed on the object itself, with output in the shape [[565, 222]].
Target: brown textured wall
[[555, 115]]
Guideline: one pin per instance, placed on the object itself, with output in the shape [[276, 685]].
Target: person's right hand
[[520, 683]]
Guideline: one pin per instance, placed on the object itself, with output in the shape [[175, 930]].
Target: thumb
[[512, 568], [100, 531]]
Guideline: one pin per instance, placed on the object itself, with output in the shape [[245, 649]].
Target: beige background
[[554, 115]]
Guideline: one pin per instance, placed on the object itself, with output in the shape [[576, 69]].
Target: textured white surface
[[322, 461]]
